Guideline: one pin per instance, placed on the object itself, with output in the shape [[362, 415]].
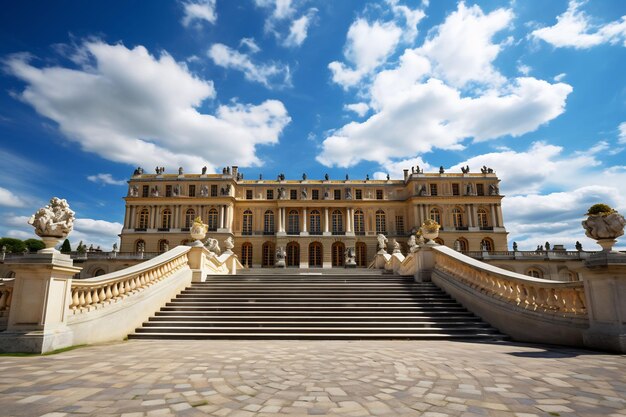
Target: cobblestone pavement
[[338, 378]]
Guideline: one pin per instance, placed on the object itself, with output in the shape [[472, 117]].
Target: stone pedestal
[[37, 320], [424, 260]]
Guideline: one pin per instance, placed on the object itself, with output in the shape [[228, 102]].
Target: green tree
[[66, 247], [34, 245], [13, 245]]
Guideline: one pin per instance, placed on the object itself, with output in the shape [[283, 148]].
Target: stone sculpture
[[154, 192], [204, 170], [382, 243], [494, 190], [350, 258], [229, 244], [605, 228], [280, 257], [56, 220], [198, 230], [395, 246], [133, 191], [204, 191], [180, 170], [212, 245], [412, 244]]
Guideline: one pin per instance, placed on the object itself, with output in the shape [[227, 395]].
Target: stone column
[[348, 220], [326, 232], [470, 214], [127, 219], [229, 217], [304, 222], [494, 217], [499, 214]]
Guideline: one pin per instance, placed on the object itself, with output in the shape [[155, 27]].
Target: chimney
[[406, 174]]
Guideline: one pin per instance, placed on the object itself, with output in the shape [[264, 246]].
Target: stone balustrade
[[94, 293], [540, 295]]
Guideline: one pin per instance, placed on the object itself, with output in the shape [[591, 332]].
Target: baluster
[[94, 296], [108, 293], [115, 292], [75, 299], [127, 286], [88, 299], [81, 299], [102, 295], [132, 284]]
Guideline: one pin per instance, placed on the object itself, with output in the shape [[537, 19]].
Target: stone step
[[312, 329], [320, 336], [314, 323], [379, 315]]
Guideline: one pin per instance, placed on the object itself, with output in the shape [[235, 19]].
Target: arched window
[[99, 272], [486, 244], [534, 272], [293, 222], [337, 252], [315, 223], [337, 222], [143, 218], [166, 219], [315, 255], [212, 218], [381, 222], [246, 225], [361, 254], [482, 218], [164, 245], [268, 223], [246, 254], [461, 244], [359, 222], [190, 215], [268, 255], [457, 217], [435, 215], [293, 254], [140, 246]]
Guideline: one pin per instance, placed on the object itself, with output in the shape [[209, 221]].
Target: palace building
[[313, 220]]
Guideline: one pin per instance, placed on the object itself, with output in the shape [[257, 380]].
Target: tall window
[[212, 220], [399, 225], [293, 194], [246, 225], [269, 194], [358, 194], [144, 215], [359, 222], [482, 218], [268, 222], [435, 215], [164, 245], [455, 189], [166, 219], [480, 189], [381, 222], [337, 253], [315, 255], [293, 254], [140, 246], [145, 190], [361, 254], [168, 191], [433, 189], [337, 222], [315, 195], [379, 194], [268, 254], [457, 217], [315, 223], [246, 254], [213, 190], [461, 245], [248, 194], [337, 194], [190, 214], [293, 222], [192, 191]]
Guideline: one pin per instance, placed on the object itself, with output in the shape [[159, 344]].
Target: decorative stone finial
[[605, 225], [430, 230], [53, 223], [198, 231]]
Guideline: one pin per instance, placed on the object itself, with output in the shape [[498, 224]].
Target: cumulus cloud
[[199, 10], [286, 22], [299, 29], [573, 29], [359, 108], [9, 199], [129, 106], [411, 17], [273, 74], [368, 45], [280, 9], [105, 179]]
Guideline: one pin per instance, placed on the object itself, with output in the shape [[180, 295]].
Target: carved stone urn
[[430, 230], [53, 223], [604, 225], [198, 231]]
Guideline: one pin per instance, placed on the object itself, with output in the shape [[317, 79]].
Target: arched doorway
[[361, 254], [337, 250], [315, 255], [268, 255], [246, 254], [293, 254]]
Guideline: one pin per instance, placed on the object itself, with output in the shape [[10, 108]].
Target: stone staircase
[[314, 306]]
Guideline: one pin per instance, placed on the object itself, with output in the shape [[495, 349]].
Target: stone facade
[[313, 220]]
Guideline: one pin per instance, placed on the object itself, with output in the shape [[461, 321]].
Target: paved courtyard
[[338, 378]]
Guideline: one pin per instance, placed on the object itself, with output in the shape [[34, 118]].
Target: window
[[535, 273], [361, 254], [435, 215], [164, 245], [480, 189], [461, 245], [315, 194], [293, 194], [269, 194], [192, 191], [315, 255], [246, 254], [337, 253], [359, 222], [482, 218], [268, 223], [168, 191], [140, 246], [457, 217], [248, 194], [337, 222], [293, 254], [166, 219], [399, 225], [190, 215], [381, 226], [433, 189], [268, 254], [337, 194], [246, 225], [455, 189], [212, 220], [379, 194], [486, 244], [358, 194], [315, 223], [145, 190], [144, 216], [213, 190], [293, 222]]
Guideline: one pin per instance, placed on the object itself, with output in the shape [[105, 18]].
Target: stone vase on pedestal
[[605, 229]]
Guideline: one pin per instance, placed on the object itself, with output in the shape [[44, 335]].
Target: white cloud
[[574, 29], [524, 69], [282, 19], [250, 44], [367, 47], [622, 133], [396, 168], [200, 10], [280, 9], [559, 77], [412, 17], [131, 107], [105, 179], [9, 199], [266, 74], [20, 234], [359, 108], [298, 31]]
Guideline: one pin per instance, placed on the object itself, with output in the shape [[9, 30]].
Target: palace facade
[[313, 220]]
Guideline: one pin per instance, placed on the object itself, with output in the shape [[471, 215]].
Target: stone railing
[[529, 255], [93, 293], [563, 298]]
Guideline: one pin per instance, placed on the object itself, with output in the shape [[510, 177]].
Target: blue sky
[[536, 90]]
